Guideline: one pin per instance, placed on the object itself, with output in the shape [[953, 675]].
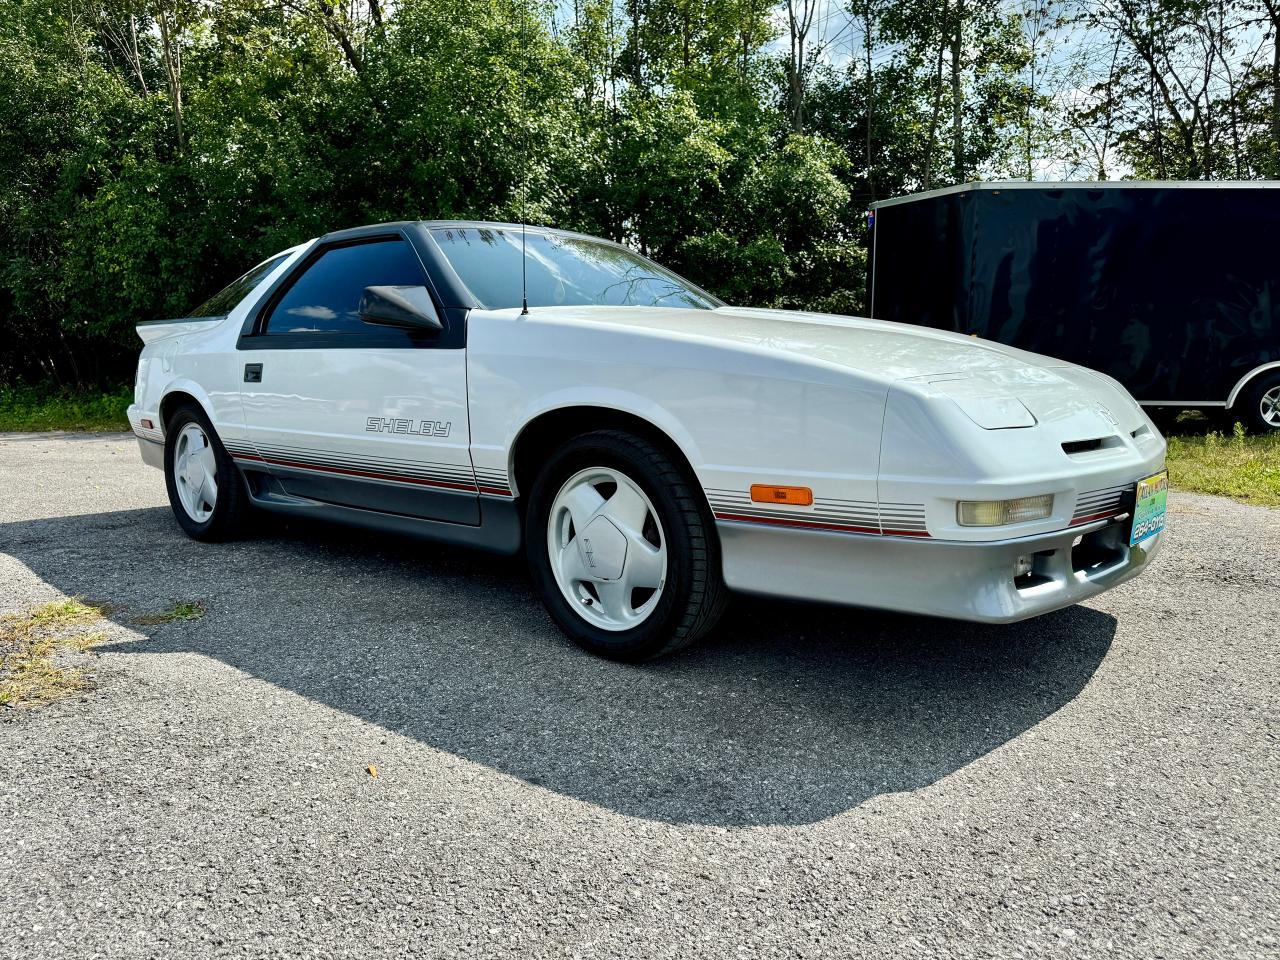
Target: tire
[[1258, 407], [230, 504], [594, 479]]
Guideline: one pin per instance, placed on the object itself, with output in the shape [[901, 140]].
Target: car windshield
[[562, 271]]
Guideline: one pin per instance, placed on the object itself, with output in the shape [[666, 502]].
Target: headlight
[[996, 513]]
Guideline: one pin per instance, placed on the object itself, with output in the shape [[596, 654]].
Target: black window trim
[[253, 335]]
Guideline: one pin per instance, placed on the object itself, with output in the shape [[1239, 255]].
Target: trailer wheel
[[1258, 407]]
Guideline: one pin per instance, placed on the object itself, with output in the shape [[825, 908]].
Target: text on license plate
[[1149, 505]]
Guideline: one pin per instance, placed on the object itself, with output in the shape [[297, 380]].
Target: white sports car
[[647, 445]]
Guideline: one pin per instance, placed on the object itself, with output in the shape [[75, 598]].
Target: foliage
[[182, 610], [31, 645], [1235, 465], [150, 151], [26, 408]]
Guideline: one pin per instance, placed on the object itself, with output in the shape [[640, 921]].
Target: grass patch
[[184, 610], [29, 672], [30, 409], [1236, 465]]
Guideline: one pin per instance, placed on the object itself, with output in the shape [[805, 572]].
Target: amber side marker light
[[797, 496]]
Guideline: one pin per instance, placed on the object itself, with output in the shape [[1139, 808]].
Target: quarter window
[[226, 299], [326, 298]]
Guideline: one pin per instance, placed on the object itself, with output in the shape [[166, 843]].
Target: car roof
[[408, 226], [352, 233]]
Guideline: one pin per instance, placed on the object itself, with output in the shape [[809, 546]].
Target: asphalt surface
[[814, 781]]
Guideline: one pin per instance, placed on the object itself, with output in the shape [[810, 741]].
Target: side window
[[326, 298]]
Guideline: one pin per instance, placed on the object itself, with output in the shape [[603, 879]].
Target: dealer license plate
[[1149, 504]]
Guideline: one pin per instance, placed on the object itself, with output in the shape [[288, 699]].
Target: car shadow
[[789, 714]]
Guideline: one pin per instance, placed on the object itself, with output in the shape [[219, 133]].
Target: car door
[[347, 412]]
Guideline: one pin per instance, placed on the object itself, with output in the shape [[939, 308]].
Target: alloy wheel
[[607, 548], [195, 473], [1269, 407]]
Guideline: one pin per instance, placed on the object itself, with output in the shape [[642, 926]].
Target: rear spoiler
[[152, 330]]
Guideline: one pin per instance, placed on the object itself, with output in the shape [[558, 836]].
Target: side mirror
[[407, 307]]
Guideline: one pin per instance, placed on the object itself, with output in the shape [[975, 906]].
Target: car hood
[[897, 350], [997, 386], [894, 351]]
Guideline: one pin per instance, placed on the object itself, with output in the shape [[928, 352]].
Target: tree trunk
[[871, 96], [173, 73], [637, 53], [1028, 122], [1144, 44], [337, 29], [686, 38], [1273, 13], [798, 31], [957, 100], [69, 352], [935, 115], [136, 56]]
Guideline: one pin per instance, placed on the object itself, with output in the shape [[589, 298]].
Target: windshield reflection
[[561, 271]]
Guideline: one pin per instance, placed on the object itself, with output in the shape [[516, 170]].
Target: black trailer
[[1171, 288]]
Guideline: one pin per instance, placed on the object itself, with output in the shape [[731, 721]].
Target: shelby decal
[[418, 428]]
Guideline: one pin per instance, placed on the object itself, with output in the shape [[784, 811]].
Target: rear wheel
[[623, 548], [1258, 407], [205, 489]]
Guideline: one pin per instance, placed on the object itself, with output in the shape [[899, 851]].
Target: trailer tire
[[1258, 406]]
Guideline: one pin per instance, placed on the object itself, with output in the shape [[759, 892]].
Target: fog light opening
[[998, 513]]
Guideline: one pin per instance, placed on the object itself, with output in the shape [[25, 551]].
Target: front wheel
[[623, 549]]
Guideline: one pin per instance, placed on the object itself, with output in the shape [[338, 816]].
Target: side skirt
[[499, 530]]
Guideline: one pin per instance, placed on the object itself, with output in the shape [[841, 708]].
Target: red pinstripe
[[818, 525], [347, 472]]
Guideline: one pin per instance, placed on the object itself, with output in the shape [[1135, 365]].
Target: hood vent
[[1074, 448]]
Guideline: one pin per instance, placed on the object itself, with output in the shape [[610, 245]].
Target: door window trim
[[253, 335]]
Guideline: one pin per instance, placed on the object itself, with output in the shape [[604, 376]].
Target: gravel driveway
[[812, 782]]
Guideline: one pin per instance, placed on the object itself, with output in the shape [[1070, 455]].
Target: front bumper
[[944, 578]]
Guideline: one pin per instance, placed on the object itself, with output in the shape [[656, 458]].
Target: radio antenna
[[524, 103], [524, 273]]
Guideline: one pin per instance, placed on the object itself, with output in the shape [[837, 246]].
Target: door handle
[[253, 373]]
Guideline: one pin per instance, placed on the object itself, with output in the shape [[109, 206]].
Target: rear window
[[225, 300]]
